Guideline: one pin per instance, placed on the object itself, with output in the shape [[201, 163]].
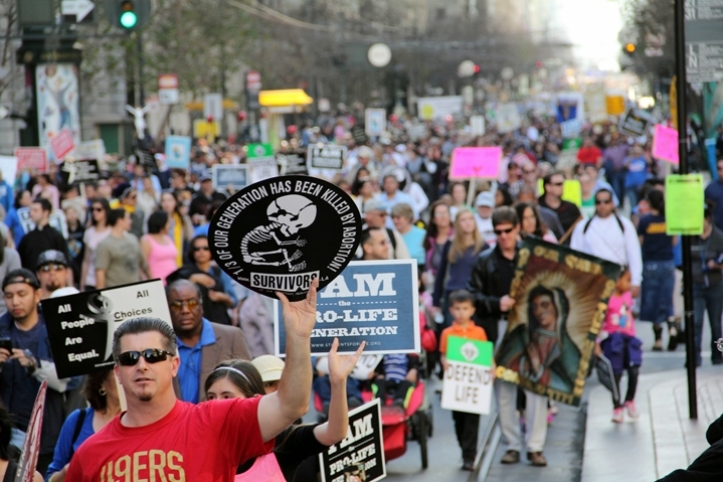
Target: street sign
[[168, 89], [704, 40], [78, 8]]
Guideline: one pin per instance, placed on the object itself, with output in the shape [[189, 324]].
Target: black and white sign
[[76, 172], [281, 233], [363, 369], [326, 156], [81, 327], [235, 175], [262, 168], [636, 122], [292, 163], [704, 40], [358, 133], [360, 456]]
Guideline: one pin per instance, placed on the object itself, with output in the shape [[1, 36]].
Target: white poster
[[508, 118], [431, 108], [57, 96], [375, 122]]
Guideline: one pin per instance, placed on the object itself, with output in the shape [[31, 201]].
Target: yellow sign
[[571, 191], [674, 101], [615, 104], [203, 128], [684, 204]]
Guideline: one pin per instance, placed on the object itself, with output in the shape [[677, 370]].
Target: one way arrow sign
[[79, 8]]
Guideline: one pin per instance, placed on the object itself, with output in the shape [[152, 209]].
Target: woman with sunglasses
[[240, 379], [181, 229], [97, 232], [216, 286], [101, 391]]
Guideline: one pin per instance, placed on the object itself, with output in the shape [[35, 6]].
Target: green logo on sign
[[469, 351], [260, 150]]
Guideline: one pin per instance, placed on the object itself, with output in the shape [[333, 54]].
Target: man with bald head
[[202, 344]]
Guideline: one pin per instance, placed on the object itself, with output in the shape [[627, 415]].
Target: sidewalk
[[662, 439]]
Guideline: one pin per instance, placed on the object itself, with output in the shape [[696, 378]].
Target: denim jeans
[[657, 290], [617, 181], [708, 299]]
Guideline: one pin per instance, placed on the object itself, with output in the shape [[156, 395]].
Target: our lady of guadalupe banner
[[561, 298]]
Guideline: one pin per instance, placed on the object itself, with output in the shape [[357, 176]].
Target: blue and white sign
[[178, 152], [372, 301]]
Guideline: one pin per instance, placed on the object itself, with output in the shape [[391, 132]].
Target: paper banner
[[475, 163], [665, 144]]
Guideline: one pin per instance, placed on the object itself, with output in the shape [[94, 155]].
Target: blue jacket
[[6, 196], [66, 446]]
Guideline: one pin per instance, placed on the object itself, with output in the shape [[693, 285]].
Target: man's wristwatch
[[31, 368]]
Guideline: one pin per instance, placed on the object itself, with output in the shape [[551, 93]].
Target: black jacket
[[707, 467], [486, 287]]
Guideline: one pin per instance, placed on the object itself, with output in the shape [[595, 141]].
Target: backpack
[[392, 239], [620, 223]]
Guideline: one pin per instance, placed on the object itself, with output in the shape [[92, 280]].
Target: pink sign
[[475, 163], [665, 144], [62, 143], [32, 158]]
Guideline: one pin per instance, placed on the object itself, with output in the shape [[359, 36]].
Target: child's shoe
[[632, 409], [618, 415]]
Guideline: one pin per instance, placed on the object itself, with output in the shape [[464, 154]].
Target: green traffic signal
[[128, 19]]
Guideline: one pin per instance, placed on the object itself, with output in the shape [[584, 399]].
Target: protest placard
[[431, 108], [375, 121], [279, 234], [477, 125], [9, 168], [615, 104], [57, 221], [234, 175], [76, 172], [571, 128], [31, 447], [561, 296], [475, 163], [94, 149], [684, 203], [360, 456], [262, 168], [326, 156], [62, 143], [32, 158], [636, 122], [292, 163], [178, 152], [81, 326], [359, 135], [508, 118], [571, 190], [363, 369], [665, 144], [468, 379], [374, 301]]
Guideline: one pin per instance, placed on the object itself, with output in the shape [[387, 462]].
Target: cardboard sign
[[262, 168], [684, 204], [508, 118], [326, 156], [76, 172], [31, 448], [363, 369], [665, 144], [81, 326], [281, 233], [477, 125], [430, 108], [375, 122], [636, 122], [360, 456], [32, 158], [178, 152], [615, 104], [94, 149], [374, 301], [292, 163], [62, 143], [235, 175], [475, 163], [359, 135], [468, 380]]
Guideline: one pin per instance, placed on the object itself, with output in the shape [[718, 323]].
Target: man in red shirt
[[589, 153], [162, 438]]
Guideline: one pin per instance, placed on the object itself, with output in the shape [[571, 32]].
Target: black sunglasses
[[152, 355], [603, 201], [503, 231]]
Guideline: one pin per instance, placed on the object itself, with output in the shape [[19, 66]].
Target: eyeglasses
[[97, 210], [178, 305], [46, 268], [151, 355], [201, 248], [500, 232], [558, 184], [602, 201]]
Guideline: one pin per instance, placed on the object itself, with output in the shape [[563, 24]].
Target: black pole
[[683, 157], [139, 54]]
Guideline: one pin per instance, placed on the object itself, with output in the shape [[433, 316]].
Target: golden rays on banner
[[561, 296]]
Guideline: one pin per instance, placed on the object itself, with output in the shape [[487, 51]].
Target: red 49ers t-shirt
[[193, 443]]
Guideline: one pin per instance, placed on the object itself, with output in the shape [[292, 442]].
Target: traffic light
[[128, 14]]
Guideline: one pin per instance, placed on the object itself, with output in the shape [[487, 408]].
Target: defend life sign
[[374, 301], [326, 156], [468, 380], [360, 456], [81, 326]]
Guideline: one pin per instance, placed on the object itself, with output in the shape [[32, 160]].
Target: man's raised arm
[[280, 409]]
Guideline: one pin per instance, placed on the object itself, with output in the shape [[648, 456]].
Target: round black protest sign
[[281, 233]]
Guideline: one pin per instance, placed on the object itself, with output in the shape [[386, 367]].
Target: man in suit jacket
[[202, 344]]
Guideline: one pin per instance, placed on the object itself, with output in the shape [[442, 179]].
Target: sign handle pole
[[472, 192], [686, 240]]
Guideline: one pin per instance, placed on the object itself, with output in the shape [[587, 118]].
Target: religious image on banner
[[561, 298], [57, 98]]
